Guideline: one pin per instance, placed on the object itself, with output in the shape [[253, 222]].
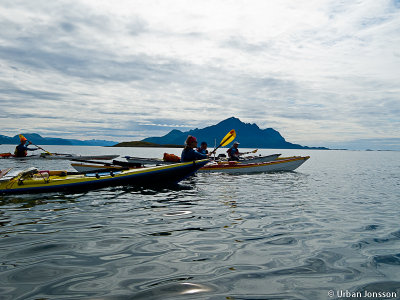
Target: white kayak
[[256, 159], [286, 164], [98, 166], [78, 157], [147, 161], [159, 161], [60, 156]]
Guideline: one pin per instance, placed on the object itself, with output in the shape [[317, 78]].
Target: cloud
[[317, 71]]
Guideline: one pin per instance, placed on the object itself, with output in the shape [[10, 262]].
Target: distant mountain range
[[39, 140], [249, 136]]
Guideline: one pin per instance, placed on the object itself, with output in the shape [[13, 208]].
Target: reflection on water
[[174, 290], [297, 235]]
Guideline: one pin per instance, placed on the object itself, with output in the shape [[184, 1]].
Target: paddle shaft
[[215, 149], [254, 151], [40, 148]]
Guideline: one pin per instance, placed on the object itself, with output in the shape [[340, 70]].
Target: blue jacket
[[202, 151], [233, 153], [188, 154]]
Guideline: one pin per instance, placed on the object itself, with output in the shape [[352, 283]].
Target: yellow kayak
[[34, 181]]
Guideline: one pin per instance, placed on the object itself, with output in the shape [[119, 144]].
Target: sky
[[321, 72]]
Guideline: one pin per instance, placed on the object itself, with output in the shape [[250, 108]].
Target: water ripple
[[297, 235]]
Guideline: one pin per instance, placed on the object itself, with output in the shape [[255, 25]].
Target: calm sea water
[[329, 230]]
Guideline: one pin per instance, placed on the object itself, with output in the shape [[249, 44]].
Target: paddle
[[21, 137], [254, 151], [226, 140]]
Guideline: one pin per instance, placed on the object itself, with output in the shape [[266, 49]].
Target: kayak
[[147, 161], [98, 166], [60, 156], [136, 162], [77, 157], [280, 164], [159, 161], [257, 159], [34, 181], [287, 164]]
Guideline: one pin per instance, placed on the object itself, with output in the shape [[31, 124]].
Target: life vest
[[171, 157], [20, 152], [231, 155], [202, 151]]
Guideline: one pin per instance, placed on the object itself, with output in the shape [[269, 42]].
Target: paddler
[[22, 150], [203, 148], [233, 152], [188, 153]]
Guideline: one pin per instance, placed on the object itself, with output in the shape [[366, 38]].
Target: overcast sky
[[317, 71]]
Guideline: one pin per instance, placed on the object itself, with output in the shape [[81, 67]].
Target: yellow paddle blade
[[254, 151], [228, 138]]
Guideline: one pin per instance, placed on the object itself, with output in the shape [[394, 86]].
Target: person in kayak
[[22, 150], [188, 153], [233, 152], [203, 148]]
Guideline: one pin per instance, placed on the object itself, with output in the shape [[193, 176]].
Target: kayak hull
[[152, 176], [289, 164]]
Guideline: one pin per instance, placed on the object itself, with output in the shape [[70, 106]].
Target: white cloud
[[316, 71]]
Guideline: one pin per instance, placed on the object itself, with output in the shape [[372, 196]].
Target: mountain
[[249, 136], [145, 144], [39, 140]]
